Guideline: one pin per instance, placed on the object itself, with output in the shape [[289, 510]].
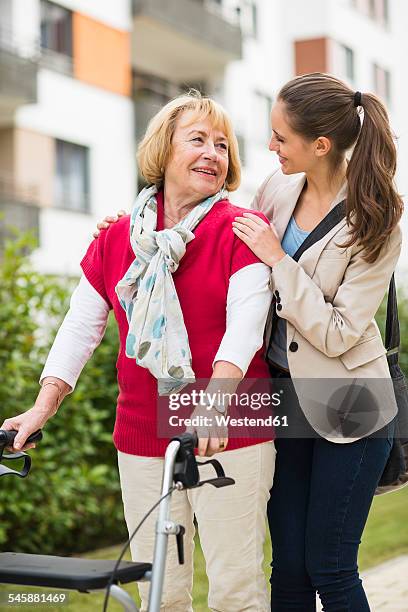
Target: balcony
[[150, 94], [18, 78], [184, 40], [18, 209]]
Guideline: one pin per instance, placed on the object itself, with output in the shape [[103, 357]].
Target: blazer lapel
[[284, 203], [285, 200]]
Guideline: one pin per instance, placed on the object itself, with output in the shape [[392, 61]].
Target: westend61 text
[[221, 420]]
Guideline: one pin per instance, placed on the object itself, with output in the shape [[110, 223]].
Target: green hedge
[[71, 501]]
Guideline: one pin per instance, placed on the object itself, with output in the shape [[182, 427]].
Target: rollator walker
[[86, 575]]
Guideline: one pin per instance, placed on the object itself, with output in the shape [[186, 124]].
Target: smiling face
[[198, 164], [295, 153]]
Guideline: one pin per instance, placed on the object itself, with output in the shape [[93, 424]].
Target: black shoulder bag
[[395, 473]]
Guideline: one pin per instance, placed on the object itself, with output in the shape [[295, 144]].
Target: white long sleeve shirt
[[248, 301]]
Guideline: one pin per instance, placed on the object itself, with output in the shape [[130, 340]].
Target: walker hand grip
[[187, 439], [185, 468], [7, 437]]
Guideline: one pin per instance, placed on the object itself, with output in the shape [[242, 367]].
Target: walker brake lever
[[180, 544], [7, 439], [221, 480]]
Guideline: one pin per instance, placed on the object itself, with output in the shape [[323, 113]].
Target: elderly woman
[[190, 300]]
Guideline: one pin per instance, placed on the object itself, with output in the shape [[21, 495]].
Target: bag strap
[[332, 218], [392, 327]]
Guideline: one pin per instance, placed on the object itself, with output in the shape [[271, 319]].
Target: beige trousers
[[231, 523]]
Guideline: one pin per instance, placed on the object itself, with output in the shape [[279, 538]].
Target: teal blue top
[[292, 239]]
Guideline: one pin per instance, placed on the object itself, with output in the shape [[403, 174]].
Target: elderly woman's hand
[[25, 424], [51, 394], [107, 221], [261, 238], [212, 438]]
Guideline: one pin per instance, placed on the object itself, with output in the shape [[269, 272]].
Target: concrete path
[[387, 586]]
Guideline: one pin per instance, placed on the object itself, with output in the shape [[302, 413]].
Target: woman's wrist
[[275, 257], [52, 392], [46, 403]]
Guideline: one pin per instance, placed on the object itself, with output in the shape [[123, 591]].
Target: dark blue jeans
[[319, 504]]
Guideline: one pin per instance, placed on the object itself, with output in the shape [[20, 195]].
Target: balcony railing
[[18, 208], [52, 60], [187, 39], [150, 94], [18, 73]]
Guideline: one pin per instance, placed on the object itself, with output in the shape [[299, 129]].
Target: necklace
[[170, 219]]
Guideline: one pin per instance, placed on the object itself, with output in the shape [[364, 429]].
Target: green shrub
[[71, 501]]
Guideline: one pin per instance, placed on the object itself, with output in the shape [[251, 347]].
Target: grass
[[385, 536]]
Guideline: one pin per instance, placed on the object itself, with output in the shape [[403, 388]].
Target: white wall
[[264, 66]]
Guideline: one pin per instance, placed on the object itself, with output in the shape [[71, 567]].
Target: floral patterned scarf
[[157, 337]]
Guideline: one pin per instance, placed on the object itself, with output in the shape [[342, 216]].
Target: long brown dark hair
[[319, 104]]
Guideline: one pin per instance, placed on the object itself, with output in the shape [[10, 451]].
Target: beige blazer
[[329, 299]]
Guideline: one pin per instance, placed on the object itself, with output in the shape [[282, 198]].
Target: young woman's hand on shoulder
[[107, 221], [260, 237]]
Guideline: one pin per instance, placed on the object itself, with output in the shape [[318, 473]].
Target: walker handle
[[7, 437]]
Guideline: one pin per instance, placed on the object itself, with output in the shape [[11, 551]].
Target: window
[[384, 12], [248, 14], [378, 10], [382, 83], [72, 177], [241, 146], [343, 62], [56, 28], [360, 5], [348, 62], [151, 92], [261, 125]]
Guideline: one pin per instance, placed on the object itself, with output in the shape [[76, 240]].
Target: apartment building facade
[[67, 144], [96, 72]]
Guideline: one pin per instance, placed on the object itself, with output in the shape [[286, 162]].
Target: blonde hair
[[155, 148]]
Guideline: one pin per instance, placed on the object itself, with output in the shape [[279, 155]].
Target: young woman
[[323, 327]]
